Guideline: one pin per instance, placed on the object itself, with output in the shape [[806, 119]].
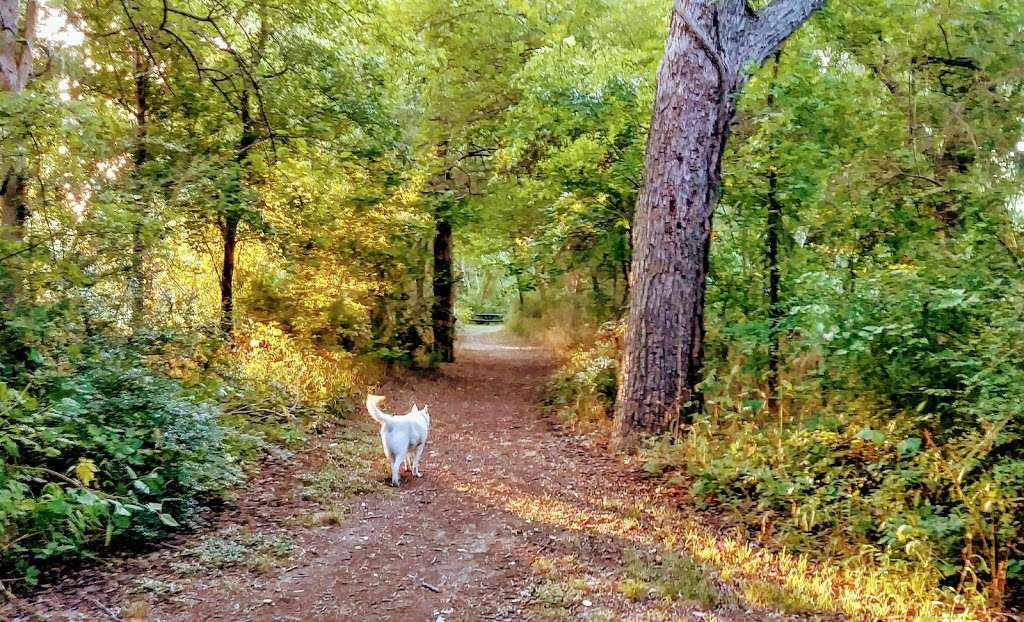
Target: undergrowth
[[853, 482], [107, 442], [582, 392]]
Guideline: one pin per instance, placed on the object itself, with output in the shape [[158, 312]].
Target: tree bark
[[231, 220], [17, 44], [774, 233], [443, 314], [709, 43], [137, 276], [229, 230]]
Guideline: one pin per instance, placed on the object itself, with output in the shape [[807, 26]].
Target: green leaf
[[168, 520], [909, 446], [874, 436]]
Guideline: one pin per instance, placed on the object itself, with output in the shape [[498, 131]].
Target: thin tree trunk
[[774, 308], [773, 234], [227, 283], [421, 276], [709, 43], [137, 278], [443, 314], [229, 225]]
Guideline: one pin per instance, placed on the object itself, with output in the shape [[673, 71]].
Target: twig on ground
[[106, 610], [432, 588]]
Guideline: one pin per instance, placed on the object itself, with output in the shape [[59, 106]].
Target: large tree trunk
[[709, 43], [17, 43], [443, 313]]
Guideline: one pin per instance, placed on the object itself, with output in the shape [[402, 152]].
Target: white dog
[[401, 434]]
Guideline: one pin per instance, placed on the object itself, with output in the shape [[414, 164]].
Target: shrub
[[583, 390], [118, 440], [849, 472], [282, 375], [97, 447]]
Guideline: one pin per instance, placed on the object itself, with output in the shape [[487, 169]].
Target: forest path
[[515, 519]]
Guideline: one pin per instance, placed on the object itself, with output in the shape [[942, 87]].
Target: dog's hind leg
[[396, 470], [416, 460], [387, 449]]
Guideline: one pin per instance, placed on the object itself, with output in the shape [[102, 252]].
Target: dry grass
[[316, 378], [746, 574], [559, 329]]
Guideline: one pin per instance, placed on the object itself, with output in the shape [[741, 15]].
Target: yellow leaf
[[85, 471]]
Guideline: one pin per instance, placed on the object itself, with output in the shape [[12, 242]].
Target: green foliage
[[561, 196], [582, 392], [99, 447], [337, 136]]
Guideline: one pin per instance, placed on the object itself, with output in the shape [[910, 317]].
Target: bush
[[583, 390], [98, 447], [281, 374], [850, 471], [119, 440]]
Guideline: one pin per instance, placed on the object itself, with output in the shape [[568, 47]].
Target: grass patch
[[766, 594], [156, 587], [671, 576], [349, 468], [552, 600], [600, 615], [235, 547], [634, 589]]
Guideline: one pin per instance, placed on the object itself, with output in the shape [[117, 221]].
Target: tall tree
[[443, 308], [137, 277], [774, 232], [17, 42], [709, 47], [477, 49]]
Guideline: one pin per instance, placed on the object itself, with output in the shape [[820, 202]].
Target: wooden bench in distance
[[488, 318]]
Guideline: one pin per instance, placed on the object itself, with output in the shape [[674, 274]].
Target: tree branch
[[772, 25], [964, 62]]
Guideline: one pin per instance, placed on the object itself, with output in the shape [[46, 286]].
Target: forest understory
[[516, 518]]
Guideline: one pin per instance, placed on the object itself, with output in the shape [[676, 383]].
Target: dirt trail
[[513, 520]]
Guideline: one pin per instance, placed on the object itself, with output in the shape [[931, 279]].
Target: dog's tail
[[374, 410]]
